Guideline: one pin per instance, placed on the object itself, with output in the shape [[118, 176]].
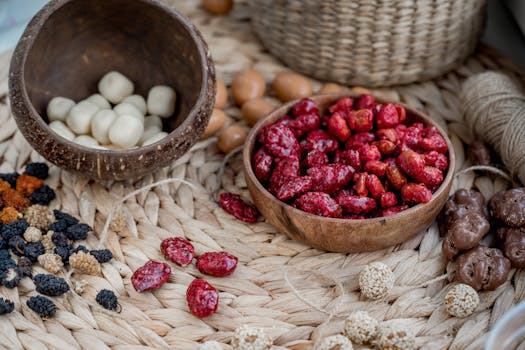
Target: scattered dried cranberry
[[234, 205], [338, 127], [304, 123], [294, 187], [361, 120], [319, 203], [217, 264], [280, 141], [357, 204], [202, 298], [178, 250], [415, 193], [387, 116], [305, 106], [150, 276]]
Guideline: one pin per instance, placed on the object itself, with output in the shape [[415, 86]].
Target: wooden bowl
[[343, 235], [70, 44]]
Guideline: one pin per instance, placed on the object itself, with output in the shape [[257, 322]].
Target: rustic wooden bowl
[[343, 235], [70, 44]]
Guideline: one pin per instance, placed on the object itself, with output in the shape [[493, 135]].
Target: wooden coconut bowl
[[344, 235], [70, 44]]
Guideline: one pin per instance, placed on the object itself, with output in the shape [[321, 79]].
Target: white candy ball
[[129, 109], [161, 101], [115, 87], [86, 140], [137, 101], [58, 108], [155, 138], [99, 100], [126, 131], [148, 133], [79, 118], [62, 130], [153, 120], [100, 124]]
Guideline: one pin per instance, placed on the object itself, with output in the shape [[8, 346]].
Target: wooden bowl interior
[[81, 41]]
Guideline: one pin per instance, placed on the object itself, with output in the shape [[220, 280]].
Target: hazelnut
[[221, 96], [217, 120], [246, 85], [230, 138], [509, 206], [255, 109], [290, 86], [330, 88], [482, 268]]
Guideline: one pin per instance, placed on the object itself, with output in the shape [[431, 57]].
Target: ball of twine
[[494, 109]]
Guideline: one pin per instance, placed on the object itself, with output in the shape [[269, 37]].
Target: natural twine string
[[494, 109]]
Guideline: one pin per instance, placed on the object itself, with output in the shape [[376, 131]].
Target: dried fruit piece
[[42, 306], [361, 120], [262, 164], [330, 178], [387, 117], [280, 142], [316, 158], [388, 199], [15, 199], [304, 123], [394, 210], [415, 193], [319, 203], [369, 152], [178, 250], [434, 142], [107, 299], [285, 169], [365, 101], [217, 264], [344, 106], [411, 162], [376, 167], [320, 140], [150, 276], [358, 140], [479, 153], [357, 204], [374, 186], [349, 157], [305, 106], [27, 184], [202, 298], [360, 184], [386, 147], [395, 177], [294, 187], [430, 177], [338, 127], [234, 205]]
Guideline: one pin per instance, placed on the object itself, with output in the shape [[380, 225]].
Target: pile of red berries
[[361, 159]]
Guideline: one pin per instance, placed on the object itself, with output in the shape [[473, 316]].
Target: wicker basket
[[369, 42]]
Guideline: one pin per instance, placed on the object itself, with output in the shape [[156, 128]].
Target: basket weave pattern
[[369, 42]]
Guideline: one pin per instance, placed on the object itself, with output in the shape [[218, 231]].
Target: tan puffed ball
[[152, 120], [376, 280], [84, 262], [32, 234], [148, 133], [394, 337], [87, 141], [251, 338], [51, 262], [360, 327], [335, 342], [39, 216], [461, 300]]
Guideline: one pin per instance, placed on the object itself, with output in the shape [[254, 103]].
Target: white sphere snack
[[99, 100], [100, 124], [86, 140], [161, 101], [148, 133], [58, 108], [155, 138], [137, 101], [129, 109], [79, 118], [62, 129], [153, 120], [115, 87], [126, 131]]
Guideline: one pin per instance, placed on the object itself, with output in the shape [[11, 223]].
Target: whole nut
[[330, 88], [218, 7], [246, 85], [468, 231], [290, 86], [513, 245], [231, 138], [509, 206], [217, 120], [255, 109], [221, 97]]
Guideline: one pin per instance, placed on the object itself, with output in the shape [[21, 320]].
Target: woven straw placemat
[[258, 293]]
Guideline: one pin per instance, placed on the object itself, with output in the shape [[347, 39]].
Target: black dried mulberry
[[102, 255], [25, 266], [6, 306], [60, 239], [107, 299], [58, 226], [5, 260], [64, 253], [3, 244], [43, 195], [39, 170], [42, 306], [81, 248], [17, 245], [10, 277], [60, 215], [15, 228], [50, 285], [10, 178], [78, 231], [33, 250]]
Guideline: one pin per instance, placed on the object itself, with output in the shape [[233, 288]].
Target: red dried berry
[[315, 158], [234, 205], [369, 152], [430, 177], [387, 116], [285, 169], [361, 120], [389, 134], [401, 113], [386, 147], [441, 162], [376, 167], [319, 203], [415, 193], [349, 157], [393, 210], [400, 130], [431, 157], [374, 186], [433, 143], [305, 106], [330, 178], [178, 250], [365, 101], [320, 140], [390, 161], [262, 164], [344, 105], [202, 298], [217, 264], [358, 140], [411, 162], [304, 123], [412, 136], [360, 184], [150, 276], [388, 199], [280, 142], [430, 131], [395, 177], [338, 127], [357, 204], [294, 187]]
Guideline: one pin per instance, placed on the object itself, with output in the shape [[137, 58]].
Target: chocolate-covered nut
[[482, 268], [509, 206], [513, 245], [478, 153], [468, 231], [448, 248], [458, 205]]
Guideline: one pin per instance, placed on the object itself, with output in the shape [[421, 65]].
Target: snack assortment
[[361, 159], [133, 120]]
